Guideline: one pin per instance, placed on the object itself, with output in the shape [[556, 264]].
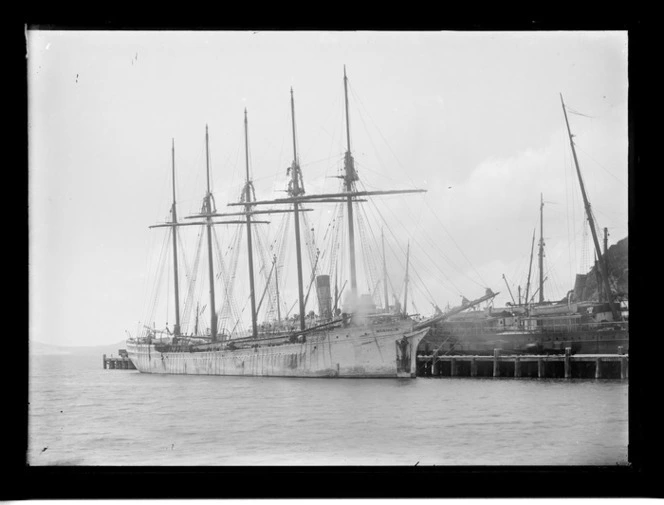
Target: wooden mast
[[196, 324], [336, 289], [295, 190], [276, 285], [208, 210], [605, 257], [387, 302], [530, 267], [541, 251], [591, 222], [174, 217], [508, 288], [405, 294], [349, 180], [174, 225], [598, 280], [247, 196]]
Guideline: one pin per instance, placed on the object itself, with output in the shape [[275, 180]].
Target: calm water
[[81, 414]]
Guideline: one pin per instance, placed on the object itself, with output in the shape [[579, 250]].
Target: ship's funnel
[[324, 296]]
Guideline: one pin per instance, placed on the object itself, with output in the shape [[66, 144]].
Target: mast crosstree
[[349, 195]]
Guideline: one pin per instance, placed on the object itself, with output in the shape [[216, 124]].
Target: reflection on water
[[81, 414]]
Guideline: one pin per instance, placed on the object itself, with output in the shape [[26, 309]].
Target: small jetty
[[121, 362], [568, 365]]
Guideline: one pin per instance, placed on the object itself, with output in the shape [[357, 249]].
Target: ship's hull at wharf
[[610, 339], [358, 352]]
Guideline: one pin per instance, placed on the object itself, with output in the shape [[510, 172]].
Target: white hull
[[387, 350]]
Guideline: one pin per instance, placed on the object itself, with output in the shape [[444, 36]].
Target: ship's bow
[[407, 352]]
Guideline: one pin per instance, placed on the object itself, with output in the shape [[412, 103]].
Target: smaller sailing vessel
[[361, 341]]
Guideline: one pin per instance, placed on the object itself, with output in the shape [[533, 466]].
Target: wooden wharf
[[122, 362], [568, 365]]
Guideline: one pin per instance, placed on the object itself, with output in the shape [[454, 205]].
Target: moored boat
[[361, 341], [585, 325]]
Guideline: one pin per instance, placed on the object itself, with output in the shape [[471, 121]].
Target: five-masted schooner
[[358, 342]]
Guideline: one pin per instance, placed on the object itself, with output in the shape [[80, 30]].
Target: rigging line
[[159, 278], [191, 284], [284, 254], [150, 246], [377, 154], [185, 260], [331, 240], [232, 273], [357, 98], [333, 109], [424, 249], [551, 276], [574, 204], [339, 160], [309, 163], [422, 286], [416, 243], [586, 153], [168, 276], [160, 272], [365, 167], [309, 241], [220, 273], [266, 262], [338, 148], [405, 171], [195, 288], [164, 200], [148, 282], [367, 252], [519, 267], [426, 200], [339, 239], [375, 256], [577, 113], [567, 206], [609, 218], [399, 258], [227, 276], [278, 172]]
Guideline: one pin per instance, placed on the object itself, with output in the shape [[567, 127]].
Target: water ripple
[[127, 418]]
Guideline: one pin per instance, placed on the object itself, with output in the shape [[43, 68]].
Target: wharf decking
[[598, 366]]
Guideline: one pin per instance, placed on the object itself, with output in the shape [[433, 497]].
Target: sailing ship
[[584, 325], [360, 341]]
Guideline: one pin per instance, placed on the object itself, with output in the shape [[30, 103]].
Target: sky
[[474, 118]]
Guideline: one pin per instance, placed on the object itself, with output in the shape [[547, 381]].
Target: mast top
[[589, 216]]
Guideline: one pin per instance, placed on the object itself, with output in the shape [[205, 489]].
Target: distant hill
[[40, 349], [618, 274]]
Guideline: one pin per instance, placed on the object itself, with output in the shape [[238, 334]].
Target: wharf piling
[[122, 362], [567, 365], [496, 363]]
